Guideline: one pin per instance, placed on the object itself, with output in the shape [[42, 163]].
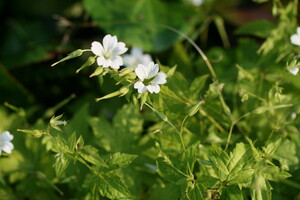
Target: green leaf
[[261, 190], [272, 147], [141, 23], [171, 71], [167, 93], [243, 177], [119, 160], [208, 181], [72, 141], [121, 135], [104, 132], [240, 156], [59, 145], [128, 121], [258, 28], [274, 173], [165, 192], [170, 170], [79, 122], [197, 86], [232, 193], [196, 193], [221, 159], [189, 156], [287, 160], [112, 187], [90, 154], [179, 84], [256, 152], [61, 164]]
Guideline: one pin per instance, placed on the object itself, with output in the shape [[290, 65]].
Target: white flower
[[293, 115], [294, 70], [5, 142], [196, 2], [109, 53], [149, 77], [136, 57], [295, 39]]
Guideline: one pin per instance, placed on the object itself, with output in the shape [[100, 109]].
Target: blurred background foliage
[[34, 38], [35, 34]]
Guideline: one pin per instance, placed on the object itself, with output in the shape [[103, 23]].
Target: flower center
[[108, 55], [148, 81]]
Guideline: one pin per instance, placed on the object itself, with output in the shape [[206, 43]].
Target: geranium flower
[[196, 2], [295, 39], [109, 53], [294, 70], [149, 77], [136, 57], [5, 142]]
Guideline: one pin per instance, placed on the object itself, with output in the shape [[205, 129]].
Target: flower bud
[[194, 109], [97, 72]]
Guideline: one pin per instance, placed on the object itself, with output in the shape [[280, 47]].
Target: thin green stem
[[164, 118], [181, 131], [210, 67], [249, 113], [229, 136], [258, 97], [85, 50], [185, 175], [291, 183], [295, 8], [182, 142]]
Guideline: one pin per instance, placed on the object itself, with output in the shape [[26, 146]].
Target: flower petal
[[294, 70], [97, 48], [116, 62], [152, 69], [140, 87], [160, 78], [8, 147], [144, 59], [101, 61], [136, 57], [8, 135], [153, 88], [119, 48], [136, 51], [109, 42], [141, 71], [295, 39]]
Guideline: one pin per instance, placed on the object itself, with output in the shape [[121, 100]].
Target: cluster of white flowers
[[5, 142], [109, 55], [295, 40]]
